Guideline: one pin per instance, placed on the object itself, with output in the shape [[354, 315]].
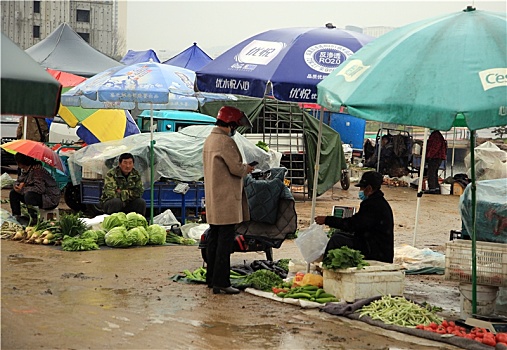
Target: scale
[[493, 323]]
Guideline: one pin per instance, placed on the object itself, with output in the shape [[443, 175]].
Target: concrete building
[[103, 24], [372, 31]]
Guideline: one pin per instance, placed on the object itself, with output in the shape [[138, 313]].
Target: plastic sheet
[[491, 212], [490, 162], [177, 155]]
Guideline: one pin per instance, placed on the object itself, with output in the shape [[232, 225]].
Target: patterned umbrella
[[37, 150]]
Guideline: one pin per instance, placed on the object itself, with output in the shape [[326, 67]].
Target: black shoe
[[228, 290], [433, 191]]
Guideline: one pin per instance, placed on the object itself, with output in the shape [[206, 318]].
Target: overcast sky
[[217, 25]]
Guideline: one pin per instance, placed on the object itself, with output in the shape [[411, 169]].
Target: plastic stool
[[48, 214]]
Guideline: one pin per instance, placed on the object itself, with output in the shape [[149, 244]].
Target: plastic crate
[[377, 279], [491, 262], [91, 190]]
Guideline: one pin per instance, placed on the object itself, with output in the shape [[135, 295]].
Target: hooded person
[[226, 201], [371, 229]]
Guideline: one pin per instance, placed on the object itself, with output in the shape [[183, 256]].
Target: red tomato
[[445, 323], [419, 326], [433, 325], [501, 337], [489, 341], [452, 324], [429, 329]]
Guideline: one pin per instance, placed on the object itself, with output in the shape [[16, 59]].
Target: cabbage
[[135, 220], [89, 234], [138, 236], [114, 220], [117, 237], [157, 234], [96, 235]]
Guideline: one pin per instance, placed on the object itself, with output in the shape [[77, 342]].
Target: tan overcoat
[[224, 170]]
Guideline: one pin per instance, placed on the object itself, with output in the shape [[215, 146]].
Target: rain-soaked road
[[125, 299]]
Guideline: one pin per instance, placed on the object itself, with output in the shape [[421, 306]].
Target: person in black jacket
[[371, 229]]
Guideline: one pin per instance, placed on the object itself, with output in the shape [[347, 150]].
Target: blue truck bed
[[164, 196]]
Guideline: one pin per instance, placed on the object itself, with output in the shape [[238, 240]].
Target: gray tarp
[[178, 155], [66, 51]]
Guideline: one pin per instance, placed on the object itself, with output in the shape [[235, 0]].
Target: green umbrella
[[441, 72], [27, 89]]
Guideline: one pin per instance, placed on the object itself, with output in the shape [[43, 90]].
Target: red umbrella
[[37, 150]]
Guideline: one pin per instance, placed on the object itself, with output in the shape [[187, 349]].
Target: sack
[[312, 242]]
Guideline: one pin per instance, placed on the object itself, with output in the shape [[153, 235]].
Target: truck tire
[[94, 209], [72, 197], [345, 180]]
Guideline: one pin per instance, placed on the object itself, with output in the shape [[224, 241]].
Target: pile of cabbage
[[124, 230]]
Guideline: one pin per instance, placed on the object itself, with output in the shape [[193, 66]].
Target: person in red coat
[[436, 151]]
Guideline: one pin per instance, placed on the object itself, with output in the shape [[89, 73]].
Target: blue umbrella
[[285, 63], [146, 85], [193, 58]]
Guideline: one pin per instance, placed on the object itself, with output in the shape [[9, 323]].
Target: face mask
[[362, 196]]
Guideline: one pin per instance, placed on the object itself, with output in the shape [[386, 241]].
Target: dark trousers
[[29, 198], [115, 205], [219, 249], [339, 240], [433, 165]]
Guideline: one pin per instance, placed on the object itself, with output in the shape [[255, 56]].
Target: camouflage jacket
[[131, 187]]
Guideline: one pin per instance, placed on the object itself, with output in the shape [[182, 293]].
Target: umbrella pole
[[316, 173], [379, 145], [420, 183], [474, 245], [453, 150], [25, 120], [152, 175], [317, 166]]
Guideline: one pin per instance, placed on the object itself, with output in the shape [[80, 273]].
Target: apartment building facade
[[101, 23]]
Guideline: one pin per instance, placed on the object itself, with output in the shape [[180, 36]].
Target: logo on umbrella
[[325, 58], [491, 78]]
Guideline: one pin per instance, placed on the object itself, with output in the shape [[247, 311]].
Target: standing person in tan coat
[[36, 129], [226, 202]]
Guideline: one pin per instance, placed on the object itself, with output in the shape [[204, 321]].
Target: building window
[[36, 7], [36, 32], [83, 16], [85, 36]]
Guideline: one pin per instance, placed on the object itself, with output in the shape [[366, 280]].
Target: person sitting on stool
[[123, 188], [371, 229], [35, 187]]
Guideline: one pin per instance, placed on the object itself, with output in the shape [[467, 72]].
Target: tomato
[[501, 337], [445, 323], [419, 326], [452, 324], [433, 325], [450, 329], [441, 330], [429, 329], [489, 341]]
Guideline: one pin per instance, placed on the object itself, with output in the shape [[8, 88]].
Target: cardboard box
[[377, 279], [457, 189]]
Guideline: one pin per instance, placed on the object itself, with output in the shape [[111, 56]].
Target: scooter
[[254, 235]]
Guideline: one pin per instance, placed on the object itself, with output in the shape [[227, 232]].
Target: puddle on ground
[[19, 259]]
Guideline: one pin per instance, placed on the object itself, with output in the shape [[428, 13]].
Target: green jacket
[[131, 187]]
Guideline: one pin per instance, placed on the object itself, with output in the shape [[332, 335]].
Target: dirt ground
[[125, 298]]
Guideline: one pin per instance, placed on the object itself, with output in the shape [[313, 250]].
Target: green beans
[[399, 311]]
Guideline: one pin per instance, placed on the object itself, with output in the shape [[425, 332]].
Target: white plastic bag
[[196, 231], [6, 181], [166, 218], [312, 242]]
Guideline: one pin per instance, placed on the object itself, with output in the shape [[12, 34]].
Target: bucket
[[445, 188], [486, 299]]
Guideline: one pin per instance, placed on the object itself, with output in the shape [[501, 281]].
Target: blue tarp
[[139, 56], [192, 58]]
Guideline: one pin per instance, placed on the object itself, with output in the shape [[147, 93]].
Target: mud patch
[[79, 275], [20, 259]]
